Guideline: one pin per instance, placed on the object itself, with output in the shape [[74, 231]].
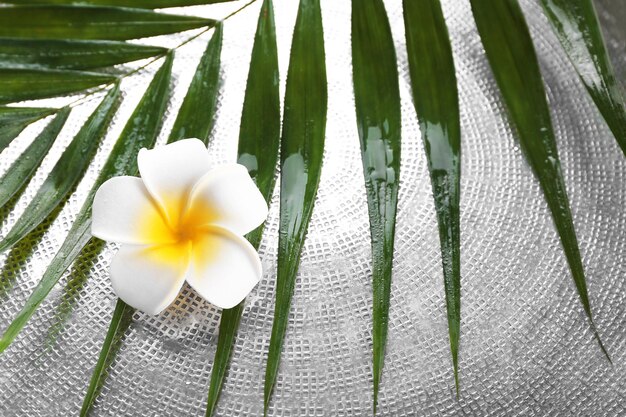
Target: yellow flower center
[[177, 229]]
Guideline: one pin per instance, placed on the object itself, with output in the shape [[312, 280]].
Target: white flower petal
[[124, 212], [170, 172], [224, 267], [149, 278], [227, 197]]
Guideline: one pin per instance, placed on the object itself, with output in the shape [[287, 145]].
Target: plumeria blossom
[[180, 221]]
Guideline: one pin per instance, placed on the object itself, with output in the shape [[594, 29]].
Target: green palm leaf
[[91, 22], [259, 137], [195, 117], [17, 84], [302, 148], [431, 68], [67, 172], [14, 119], [141, 131], [576, 25], [377, 100], [144, 4], [511, 54], [26, 164], [71, 54]]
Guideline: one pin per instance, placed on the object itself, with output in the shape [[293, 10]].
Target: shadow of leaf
[[21, 253], [81, 270]]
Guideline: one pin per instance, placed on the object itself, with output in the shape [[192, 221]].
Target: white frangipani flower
[[180, 221]]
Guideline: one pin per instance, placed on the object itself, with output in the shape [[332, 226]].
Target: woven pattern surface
[[526, 348]]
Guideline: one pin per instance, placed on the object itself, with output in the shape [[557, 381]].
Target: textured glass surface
[[526, 348]]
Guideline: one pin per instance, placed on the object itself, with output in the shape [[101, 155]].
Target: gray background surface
[[526, 348]]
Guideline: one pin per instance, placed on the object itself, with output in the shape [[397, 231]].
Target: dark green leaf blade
[[120, 322], [141, 131], [435, 96], [68, 170], [377, 102], [576, 25], [512, 57], [27, 163], [229, 323], [143, 4], [259, 131], [259, 138], [195, 117], [91, 22], [302, 148], [71, 54], [14, 119], [17, 84]]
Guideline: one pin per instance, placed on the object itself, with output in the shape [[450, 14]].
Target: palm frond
[[140, 132], [576, 25], [17, 84], [96, 22], [52, 48], [259, 138], [142, 4], [68, 170], [195, 117], [26, 164], [377, 101], [71, 54], [15, 119], [302, 147], [120, 322], [435, 96], [512, 57]]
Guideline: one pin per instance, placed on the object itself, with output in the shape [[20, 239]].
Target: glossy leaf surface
[[144, 4], [141, 131], [91, 22], [512, 57], [576, 25], [302, 148], [259, 138], [27, 163], [195, 117], [71, 54], [377, 101], [66, 173], [14, 119], [435, 96], [17, 84]]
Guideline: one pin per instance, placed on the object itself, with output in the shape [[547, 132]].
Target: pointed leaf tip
[[576, 25], [302, 148]]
